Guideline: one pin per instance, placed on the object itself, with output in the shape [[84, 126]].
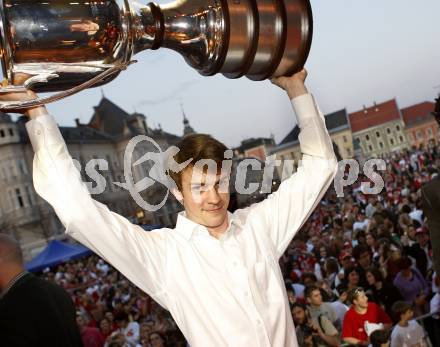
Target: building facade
[[421, 128], [288, 151], [379, 129], [98, 147]]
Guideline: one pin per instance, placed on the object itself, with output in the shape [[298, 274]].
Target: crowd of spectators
[[357, 273]]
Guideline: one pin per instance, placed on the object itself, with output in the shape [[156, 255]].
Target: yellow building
[[379, 129], [339, 130]]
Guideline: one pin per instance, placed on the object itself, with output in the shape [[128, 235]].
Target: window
[[11, 200], [370, 148], [401, 138], [344, 138], [419, 134], [367, 137], [388, 131], [30, 196], [19, 198], [398, 127], [2, 133], [377, 134], [348, 151], [392, 141], [381, 145], [429, 130], [22, 167], [11, 132]]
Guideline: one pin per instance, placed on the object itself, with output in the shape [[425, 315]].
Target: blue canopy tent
[[56, 252]]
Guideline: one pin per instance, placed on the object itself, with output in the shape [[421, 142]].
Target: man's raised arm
[[285, 211], [139, 255]]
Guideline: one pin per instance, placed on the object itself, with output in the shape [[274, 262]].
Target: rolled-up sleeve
[[138, 255], [285, 211]]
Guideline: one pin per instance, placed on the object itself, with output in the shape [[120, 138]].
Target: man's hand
[[23, 96], [293, 85]]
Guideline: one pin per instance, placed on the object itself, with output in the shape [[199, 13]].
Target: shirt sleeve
[[285, 211], [138, 255], [327, 326]]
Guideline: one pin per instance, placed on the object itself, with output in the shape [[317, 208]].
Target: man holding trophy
[[216, 272]]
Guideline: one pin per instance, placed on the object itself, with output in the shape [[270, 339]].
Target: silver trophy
[[67, 45]]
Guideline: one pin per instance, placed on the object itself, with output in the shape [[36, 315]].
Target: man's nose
[[213, 196]]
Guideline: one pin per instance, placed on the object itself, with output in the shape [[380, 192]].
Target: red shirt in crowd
[[92, 337], [354, 322]]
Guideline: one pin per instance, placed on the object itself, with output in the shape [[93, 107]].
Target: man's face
[[364, 259], [408, 315], [204, 201], [422, 238], [298, 315], [361, 301], [315, 298]]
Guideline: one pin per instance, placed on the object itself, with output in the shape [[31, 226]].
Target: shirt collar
[[12, 283], [186, 227]]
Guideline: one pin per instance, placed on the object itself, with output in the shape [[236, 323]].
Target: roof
[[373, 116], [292, 136], [83, 134], [254, 142], [336, 120], [5, 118], [109, 118], [418, 113]]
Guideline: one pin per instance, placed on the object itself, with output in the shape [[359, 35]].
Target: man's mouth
[[213, 210]]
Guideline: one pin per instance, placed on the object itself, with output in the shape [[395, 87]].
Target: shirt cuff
[[43, 131], [305, 108]]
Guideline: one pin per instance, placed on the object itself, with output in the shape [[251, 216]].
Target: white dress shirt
[[221, 292]]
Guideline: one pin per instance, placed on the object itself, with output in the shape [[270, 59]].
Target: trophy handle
[[11, 106]]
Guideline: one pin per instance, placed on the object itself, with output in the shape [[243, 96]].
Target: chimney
[[78, 124], [365, 109], [375, 107]]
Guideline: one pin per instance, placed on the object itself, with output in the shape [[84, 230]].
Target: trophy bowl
[[69, 45]]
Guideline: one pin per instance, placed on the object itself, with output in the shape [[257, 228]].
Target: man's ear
[[177, 194]]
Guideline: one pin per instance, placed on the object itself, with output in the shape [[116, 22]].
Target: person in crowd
[[382, 292], [157, 339], [362, 255], [105, 328], [129, 329], [412, 286], [380, 338], [419, 250], [407, 332], [318, 308], [352, 277], [339, 305], [33, 311], [313, 332], [90, 336], [361, 317], [430, 193]]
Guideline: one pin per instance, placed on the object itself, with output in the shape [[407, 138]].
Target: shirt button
[[38, 132]]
